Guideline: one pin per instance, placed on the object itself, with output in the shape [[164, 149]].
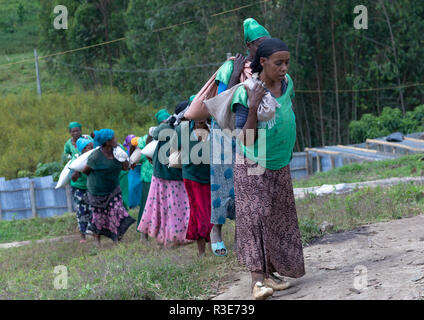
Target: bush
[[34, 129], [390, 120]]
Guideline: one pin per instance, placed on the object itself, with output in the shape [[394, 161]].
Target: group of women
[[191, 202]]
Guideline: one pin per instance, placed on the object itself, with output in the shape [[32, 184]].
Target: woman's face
[[253, 46], [75, 133], [112, 142], [276, 66], [89, 147]]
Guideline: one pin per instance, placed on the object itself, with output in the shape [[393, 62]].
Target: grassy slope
[[367, 171], [17, 43]]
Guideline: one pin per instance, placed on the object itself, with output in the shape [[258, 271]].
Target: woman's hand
[[75, 176], [255, 96], [239, 62]]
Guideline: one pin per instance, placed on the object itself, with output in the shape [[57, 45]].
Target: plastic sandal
[[219, 246]]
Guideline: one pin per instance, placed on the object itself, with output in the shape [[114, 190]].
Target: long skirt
[[83, 209], [199, 196], [166, 213], [110, 218], [222, 182], [145, 187], [268, 236]]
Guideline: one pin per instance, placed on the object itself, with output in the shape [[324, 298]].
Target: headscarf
[[134, 141], [74, 125], [162, 115], [82, 143], [266, 49], [253, 30], [127, 142], [102, 136]]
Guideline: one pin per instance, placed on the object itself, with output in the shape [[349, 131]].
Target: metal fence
[[26, 198]]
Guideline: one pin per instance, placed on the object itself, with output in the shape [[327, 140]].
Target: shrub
[[34, 129]]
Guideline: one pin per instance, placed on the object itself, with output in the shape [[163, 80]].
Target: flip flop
[[219, 246]]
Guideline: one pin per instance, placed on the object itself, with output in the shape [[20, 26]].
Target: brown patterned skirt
[[267, 230]]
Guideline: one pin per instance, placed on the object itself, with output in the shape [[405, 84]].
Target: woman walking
[[268, 237], [104, 193], [196, 175], [167, 210], [222, 183], [79, 190]]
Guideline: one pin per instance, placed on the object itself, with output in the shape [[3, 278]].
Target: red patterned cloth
[[199, 196]]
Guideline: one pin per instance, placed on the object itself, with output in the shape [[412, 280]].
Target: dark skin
[[239, 63], [240, 60], [107, 149], [76, 134], [76, 174], [274, 70]]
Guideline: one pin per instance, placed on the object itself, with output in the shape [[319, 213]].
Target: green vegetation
[[38, 228], [34, 129], [390, 120], [132, 270], [356, 172]]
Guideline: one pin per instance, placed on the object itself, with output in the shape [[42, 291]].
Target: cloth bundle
[[197, 109], [220, 106]]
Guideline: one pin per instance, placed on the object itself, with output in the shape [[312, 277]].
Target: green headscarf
[[74, 125], [253, 30], [162, 115]]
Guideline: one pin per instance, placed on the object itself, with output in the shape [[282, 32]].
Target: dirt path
[[390, 253], [24, 243]]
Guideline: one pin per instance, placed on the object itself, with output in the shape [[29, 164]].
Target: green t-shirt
[[69, 150], [278, 140], [161, 170], [194, 172], [81, 183], [224, 72], [104, 177], [146, 169]]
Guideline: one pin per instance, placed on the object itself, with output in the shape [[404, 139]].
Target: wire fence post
[[69, 198], [228, 55], [37, 72]]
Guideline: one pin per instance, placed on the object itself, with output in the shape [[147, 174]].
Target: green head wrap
[[74, 125], [253, 30], [162, 115]]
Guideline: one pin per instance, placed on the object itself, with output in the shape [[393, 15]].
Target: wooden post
[[32, 198], [333, 163], [318, 163], [69, 198], [307, 162]]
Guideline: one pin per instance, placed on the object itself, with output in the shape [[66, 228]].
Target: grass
[[356, 172], [132, 270]]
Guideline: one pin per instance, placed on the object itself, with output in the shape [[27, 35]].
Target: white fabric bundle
[[220, 106]]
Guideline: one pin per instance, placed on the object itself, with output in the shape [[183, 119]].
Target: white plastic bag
[[120, 154], [79, 163], [65, 176], [149, 150], [136, 156]]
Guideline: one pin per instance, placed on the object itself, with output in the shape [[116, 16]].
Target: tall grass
[[34, 129]]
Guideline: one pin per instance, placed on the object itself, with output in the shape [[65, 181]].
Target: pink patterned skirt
[[166, 213]]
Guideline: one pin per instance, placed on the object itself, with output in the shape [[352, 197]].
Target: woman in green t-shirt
[[110, 218], [268, 237]]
